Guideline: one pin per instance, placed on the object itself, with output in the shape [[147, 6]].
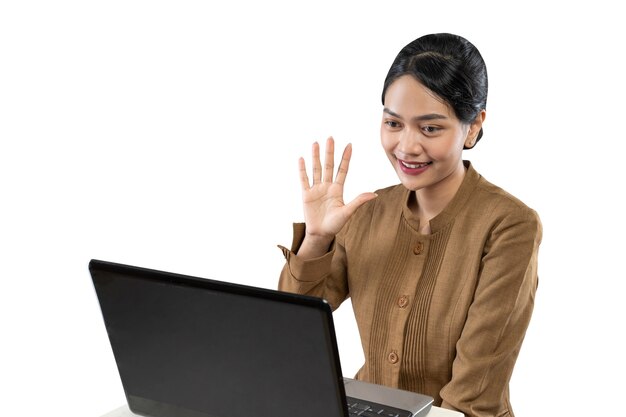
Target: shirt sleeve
[[323, 277], [497, 319]]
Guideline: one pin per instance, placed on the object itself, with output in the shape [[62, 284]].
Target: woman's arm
[[498, 317], [315, 251], [323, 277]]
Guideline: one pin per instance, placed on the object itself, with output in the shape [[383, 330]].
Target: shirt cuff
[[309, 270]]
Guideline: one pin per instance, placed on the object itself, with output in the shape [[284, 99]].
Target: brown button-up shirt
[[442, 314]]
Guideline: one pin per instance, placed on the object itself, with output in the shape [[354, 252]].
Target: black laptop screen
[[196, 348]]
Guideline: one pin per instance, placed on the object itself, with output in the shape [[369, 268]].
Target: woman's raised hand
[[325, 212]]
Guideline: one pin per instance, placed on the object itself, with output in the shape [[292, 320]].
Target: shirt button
[[403, 301], [393, 357], [419, 248]]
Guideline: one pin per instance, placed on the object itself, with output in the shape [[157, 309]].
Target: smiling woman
[[424, 140], [442, 268]]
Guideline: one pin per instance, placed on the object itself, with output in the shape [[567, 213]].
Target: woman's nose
[[410, 142]]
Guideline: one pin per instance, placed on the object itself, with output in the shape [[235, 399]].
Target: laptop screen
[[191, 347]]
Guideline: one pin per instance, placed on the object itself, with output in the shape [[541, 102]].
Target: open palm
[[325, 212]]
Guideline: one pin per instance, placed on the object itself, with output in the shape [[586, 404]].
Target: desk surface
[[123, 411]]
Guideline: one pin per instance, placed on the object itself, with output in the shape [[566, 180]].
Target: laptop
[[194, 347]]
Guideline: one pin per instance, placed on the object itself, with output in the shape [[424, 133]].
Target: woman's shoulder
[[388, 202], [502, 207], [391, 197], [498, 198], [397, 191]]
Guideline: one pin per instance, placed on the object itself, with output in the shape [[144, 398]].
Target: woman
[[442, 268]]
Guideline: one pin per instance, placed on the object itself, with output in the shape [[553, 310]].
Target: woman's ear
[[474, 130]]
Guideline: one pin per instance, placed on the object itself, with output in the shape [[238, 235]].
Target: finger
[[342, 171], [304, 178], [317, 166], [329, 160]]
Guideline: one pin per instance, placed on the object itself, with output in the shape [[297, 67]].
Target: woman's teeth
[[415, 165]]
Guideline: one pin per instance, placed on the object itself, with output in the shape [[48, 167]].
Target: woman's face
[[422, 136]]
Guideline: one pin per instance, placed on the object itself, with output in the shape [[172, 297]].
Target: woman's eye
[[431, 129], [392, 124]]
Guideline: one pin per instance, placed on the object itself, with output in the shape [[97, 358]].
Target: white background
[[166, 135]]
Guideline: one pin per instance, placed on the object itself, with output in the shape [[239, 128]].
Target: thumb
[[359, 201]]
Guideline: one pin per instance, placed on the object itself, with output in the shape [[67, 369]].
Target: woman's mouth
[[413, 167]]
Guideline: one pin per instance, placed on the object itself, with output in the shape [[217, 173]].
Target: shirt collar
[[447, 215]]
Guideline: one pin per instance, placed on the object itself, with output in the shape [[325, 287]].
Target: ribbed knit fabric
[[388, 290], [442, 314], [412, 378]]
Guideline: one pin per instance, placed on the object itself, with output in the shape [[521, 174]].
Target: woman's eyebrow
[[430, 116]]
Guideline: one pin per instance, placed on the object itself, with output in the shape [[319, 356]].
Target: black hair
[[451, 67]]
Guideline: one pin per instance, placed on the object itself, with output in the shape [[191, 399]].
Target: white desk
[[123, 411]]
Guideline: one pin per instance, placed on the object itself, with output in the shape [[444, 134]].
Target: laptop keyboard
[[358, 407]]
